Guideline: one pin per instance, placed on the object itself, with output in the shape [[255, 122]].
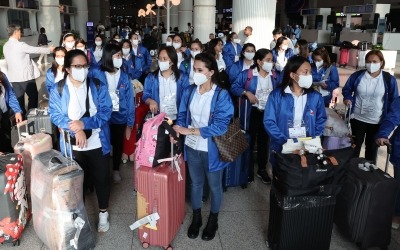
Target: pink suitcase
[[29, 146], [162, 190]]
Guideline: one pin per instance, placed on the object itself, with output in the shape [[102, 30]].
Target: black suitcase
[[14, 207], [365, 206], [300, 222]]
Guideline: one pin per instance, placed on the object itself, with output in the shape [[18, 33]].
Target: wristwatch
[[244, 92], [192, 130]]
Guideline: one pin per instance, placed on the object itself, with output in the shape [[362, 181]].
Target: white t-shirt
[[77, 108], [167, 94], [98, 53], [59, 77], [264, 88], [200, 108], [221, 62], [369, 99], [299, 105]]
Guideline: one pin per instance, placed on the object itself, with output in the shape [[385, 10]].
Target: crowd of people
[[281, 93]]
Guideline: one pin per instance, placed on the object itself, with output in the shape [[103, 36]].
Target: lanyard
[[166, 82], [376, 85]]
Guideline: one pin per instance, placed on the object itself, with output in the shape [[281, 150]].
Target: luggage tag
[[149, 219], [114, 94], [262, 96], [169, 106], [78, 224]]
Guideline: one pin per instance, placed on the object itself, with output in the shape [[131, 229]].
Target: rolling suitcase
[[237, 172], [132, 136], [344, 57], [364, 208], [60, 219], [39, 121], [300, 222], [160, 202], [14, 207], [29, 146]]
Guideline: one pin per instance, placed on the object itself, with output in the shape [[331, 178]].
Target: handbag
[[231, 144], [36, 71]]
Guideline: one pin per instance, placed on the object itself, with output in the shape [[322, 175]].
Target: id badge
[[263, 98], [114, 95], [236, 58], [367, 107], [191, 140], [170, 106], [297, 132]]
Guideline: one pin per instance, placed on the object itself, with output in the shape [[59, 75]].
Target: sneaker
[[104, 224], [116, 176], [263, 175]]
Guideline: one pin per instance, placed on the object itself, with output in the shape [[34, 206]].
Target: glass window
[[5, 3], [28, 4], [19, 17]]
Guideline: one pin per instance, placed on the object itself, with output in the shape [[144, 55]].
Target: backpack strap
[[387, 77], [60, 86], [249, 78]]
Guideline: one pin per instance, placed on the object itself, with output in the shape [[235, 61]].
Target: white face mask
[[168, 43], [81, 48], [284, 47], [199, 78], [249, 55], [98, 43], [319, 64], [373, 67], [126, 51], [135, 42], [69, 45], [305, 81], [79, 74], [163, 65], [236, 40], [194, 53], [60, 60], [117, 62], [267, 66], [118, 39], [177, 45], [296, 51]]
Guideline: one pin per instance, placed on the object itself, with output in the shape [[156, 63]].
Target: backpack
[[154, 144]]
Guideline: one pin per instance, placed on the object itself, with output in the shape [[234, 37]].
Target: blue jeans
[[198, 170], [397, 204]]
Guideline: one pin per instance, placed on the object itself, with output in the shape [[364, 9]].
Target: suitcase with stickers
[[14, 207], [60, 220]]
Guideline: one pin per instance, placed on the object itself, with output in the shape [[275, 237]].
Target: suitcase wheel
[[16, 243], [145, 245], [124, 161], [169, 247], [244, 186]]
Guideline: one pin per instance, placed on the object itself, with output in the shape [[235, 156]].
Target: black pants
[[30, 88], [5, 133], [258, 135], [365, 130], [117, 133], [97, 164]]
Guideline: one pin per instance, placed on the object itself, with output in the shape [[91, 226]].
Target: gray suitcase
[[39, 121]]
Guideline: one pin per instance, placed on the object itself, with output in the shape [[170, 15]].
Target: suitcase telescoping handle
[[389, 152], [245, 112], [19, 125], [347, 115], [66, 134]]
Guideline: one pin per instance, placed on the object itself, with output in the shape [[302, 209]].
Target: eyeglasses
[[78, 66]]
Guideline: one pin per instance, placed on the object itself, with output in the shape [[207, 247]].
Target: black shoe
[[194, 228], [263, 175], [211, 227]]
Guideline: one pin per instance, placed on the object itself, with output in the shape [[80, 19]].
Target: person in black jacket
[[42, 42]]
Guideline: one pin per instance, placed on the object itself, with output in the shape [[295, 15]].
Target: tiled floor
[[243, 218]]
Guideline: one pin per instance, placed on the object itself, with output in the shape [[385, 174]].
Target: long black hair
[[279, 43], [107, 61], [211, 46], [245, 46], [211, 64], [171, 52], [54, 65], [293, 64], [260, 55]]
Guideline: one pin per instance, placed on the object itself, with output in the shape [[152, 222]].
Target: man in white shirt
[[276, 33], [248, 31], [20, 67]]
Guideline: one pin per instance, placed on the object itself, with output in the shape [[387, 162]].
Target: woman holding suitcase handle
[[84, 108], [370, 93], [204, 112]]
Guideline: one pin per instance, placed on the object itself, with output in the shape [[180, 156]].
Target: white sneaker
[[104, 224], [116, 176]]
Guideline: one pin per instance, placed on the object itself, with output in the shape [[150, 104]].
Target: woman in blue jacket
[[232, 50], [294, 109], [370, 93], [245, 61], [254, 86], [186, 66], [163, 88], [81, 44], [325, 74], [97, 49], [390, 122], [84, 109], [132, 65], [120, 90], [281, 54], [141, 52], [8, 102], [56, 72], [205, 112]]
